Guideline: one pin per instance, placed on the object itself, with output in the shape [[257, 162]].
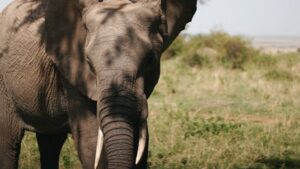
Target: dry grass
[[222, 118]]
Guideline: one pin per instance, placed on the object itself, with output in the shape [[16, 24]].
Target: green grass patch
[[281, 75]]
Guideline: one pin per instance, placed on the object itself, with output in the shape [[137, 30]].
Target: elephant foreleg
[[11, 132], [50, 147], [10, 143]]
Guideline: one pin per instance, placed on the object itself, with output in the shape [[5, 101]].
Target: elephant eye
[[155, 26]]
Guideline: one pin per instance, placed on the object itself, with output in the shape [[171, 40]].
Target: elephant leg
[[50, 147], [10, 144], [85, 133], [11, 133]]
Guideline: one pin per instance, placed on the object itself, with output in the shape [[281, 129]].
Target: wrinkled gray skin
[[72, 66]]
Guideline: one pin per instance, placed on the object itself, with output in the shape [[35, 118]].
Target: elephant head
[[123, 45], [115, 61]]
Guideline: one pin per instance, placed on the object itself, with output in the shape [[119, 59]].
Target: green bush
[[264, 60], [237, 52], [229, 51], [196, 59], [175, 49]]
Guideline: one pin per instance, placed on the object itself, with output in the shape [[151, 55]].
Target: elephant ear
[[64, 36], [177, 14]]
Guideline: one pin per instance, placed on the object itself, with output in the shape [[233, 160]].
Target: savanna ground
[[219, 104]]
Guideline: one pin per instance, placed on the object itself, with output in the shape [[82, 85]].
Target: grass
[[29, 157], [217, 118], [224, 118]]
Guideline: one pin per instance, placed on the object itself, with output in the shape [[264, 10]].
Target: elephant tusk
[[99, 147], [142, 142]]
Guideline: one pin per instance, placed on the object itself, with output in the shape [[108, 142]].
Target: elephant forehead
[[106, 13]]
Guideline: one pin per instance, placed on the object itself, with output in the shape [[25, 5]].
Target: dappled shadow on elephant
[[64, 34]]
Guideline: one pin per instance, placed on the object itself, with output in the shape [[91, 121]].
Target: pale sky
[[245, 17], [249, 17]]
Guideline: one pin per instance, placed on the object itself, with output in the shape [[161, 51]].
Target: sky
[[248, 17], [244, 17]]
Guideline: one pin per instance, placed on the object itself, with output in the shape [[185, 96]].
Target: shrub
[[229, 51], [175, 49], [217, 49], [196, 58], [264, 60], [237, 52]]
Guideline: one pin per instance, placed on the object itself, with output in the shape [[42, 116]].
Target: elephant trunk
[[118, 143], [116, 113], [121, 125]]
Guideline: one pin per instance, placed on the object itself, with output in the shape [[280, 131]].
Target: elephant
[[84, 67]]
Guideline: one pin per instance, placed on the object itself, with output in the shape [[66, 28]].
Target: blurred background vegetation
[[220, 104], [214, 50]]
